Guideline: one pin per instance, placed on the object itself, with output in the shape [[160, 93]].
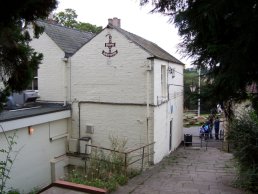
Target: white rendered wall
[[32, 166], [121, 78], [125, 122], [170, 109], [161, 132], [52, 80], [176, 101]]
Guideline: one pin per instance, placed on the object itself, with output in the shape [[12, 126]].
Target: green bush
[[243, 135], [104, 169]]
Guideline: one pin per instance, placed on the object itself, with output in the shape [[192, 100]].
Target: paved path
[[187, 171]]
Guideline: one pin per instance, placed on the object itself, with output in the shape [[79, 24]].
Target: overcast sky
[[135, 19]]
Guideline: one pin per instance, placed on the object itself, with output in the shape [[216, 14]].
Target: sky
[[134, 18]]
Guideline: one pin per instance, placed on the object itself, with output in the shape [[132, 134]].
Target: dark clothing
[[211, 125], [216, 127]]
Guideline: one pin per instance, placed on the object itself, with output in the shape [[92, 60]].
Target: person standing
[[211, 125], [216, 127]]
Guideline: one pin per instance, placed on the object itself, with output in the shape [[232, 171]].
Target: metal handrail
[[126, 164]]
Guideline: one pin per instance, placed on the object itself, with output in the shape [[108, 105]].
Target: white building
[[41, 132], [117, 83]]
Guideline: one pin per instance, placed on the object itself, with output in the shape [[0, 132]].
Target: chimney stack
[[114, 22]]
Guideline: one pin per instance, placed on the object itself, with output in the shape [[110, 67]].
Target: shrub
[[243, 135], [104, 169]]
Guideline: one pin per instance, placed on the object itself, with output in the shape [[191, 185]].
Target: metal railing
[[117, 158], [204, 141]]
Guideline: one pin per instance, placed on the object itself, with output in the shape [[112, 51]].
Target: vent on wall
[[89, 129]]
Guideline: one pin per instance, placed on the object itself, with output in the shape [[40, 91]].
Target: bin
[[188, 138]]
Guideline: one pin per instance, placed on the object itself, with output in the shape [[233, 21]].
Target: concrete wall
[[32, 166]]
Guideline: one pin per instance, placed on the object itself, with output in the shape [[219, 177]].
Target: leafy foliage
[[243, 135], [68, 19], [191, 77], [104, 168], [221, 37], [8, 159], [18, 60]]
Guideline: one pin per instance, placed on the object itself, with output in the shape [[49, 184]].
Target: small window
[[163, 81], [34, 83]]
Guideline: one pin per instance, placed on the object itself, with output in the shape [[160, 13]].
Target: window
[[34, 83], [163, 81]]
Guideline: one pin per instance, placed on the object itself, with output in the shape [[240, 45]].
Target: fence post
[[142, 158]]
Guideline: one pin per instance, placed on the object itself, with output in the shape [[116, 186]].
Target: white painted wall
[[176, 97], [121, 78], [32, 166], [162, 111], [123, 121], [52, 75]]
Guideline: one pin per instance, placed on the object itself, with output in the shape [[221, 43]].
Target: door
[[170, 134]]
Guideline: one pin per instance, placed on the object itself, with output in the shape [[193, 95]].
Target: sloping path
[[187, 171]]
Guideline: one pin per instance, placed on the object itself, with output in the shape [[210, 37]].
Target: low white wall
[[32, 166]]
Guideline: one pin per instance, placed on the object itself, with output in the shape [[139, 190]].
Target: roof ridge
[[62, 26], [142, 44]]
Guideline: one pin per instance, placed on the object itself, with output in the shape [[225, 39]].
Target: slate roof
[[149, 46], [68, 39], [34, 110], [71, 40]]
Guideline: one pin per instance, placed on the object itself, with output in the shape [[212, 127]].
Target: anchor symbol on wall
[[110, 44]]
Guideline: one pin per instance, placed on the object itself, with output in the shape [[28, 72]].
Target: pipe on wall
[[149, 68]]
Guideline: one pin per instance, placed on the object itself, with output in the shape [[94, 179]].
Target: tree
[[191, 77], [18, 60], [88, 27], [221, 37], [68, 19]]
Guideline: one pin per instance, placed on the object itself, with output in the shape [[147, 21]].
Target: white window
[[163, 81]]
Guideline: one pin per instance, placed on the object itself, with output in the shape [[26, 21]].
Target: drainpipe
[[70, 79], [149, 68], [79, 120], [65, 60]]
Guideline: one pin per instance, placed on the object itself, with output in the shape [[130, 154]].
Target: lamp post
[[192, 87], [199, 92]]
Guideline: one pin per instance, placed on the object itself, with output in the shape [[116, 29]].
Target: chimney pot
[[115, 22]]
